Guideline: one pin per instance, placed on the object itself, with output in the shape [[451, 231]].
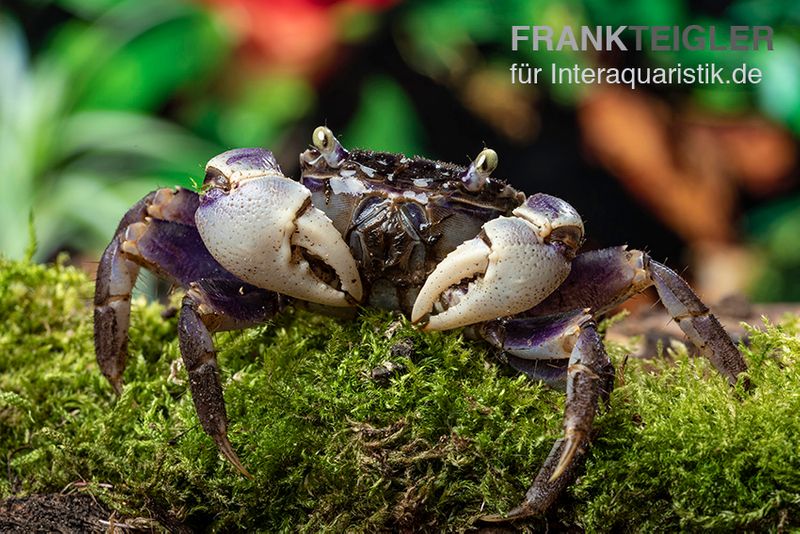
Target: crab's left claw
[[262, 227], [510, 267]]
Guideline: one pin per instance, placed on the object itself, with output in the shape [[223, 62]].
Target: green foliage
[[775, 229], [264, 110], [687, 453], [328, 445], [76, 137], [386, 120], [333, 449]]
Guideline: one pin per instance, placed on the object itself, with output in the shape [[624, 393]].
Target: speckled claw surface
[[510, 267], [262, 227], [496, 265]]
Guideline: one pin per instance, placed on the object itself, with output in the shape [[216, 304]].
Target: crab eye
[[486, 162], [329, 147], [323, 139], [479, 170], [215, 179]]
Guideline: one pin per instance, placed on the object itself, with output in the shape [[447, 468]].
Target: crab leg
[[542, 347], [599, 280], [210, 306], [537, 340], [158, 233], [697, 322], [116, 275], [589, 377], [602, 279]]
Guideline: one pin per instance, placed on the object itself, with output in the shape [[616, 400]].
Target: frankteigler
[[656, 38]]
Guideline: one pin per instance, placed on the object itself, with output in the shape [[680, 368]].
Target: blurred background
[[102, 101]]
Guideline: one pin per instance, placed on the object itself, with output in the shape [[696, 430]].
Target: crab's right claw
[[262, 227]]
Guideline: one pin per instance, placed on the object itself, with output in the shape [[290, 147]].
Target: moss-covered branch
[[448, 434]]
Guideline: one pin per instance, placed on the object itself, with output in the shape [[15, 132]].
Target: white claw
[[255, 229], [513, 272], [315, 232], [470, 258]]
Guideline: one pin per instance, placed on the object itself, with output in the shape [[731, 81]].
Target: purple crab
[[446, 245]]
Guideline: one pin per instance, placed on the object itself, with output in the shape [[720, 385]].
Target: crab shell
[[443, 243]]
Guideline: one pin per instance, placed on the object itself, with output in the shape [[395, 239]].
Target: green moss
[[331, 448]]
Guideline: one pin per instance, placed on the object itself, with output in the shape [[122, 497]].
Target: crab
[[449, 246]]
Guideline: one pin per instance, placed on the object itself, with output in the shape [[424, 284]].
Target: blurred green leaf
[[439, 35], [30, 104], [779, 92], [774, 230], [264, 109], [357, 26], [777, 226], [636, 12], [81, 209], [758, 12], [147, 71], [723, 99], [89, 8], [78, 171], [148, 140], [386, 120], [85, 48]]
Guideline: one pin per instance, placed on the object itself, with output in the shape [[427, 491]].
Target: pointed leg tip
[[573, 441], [522, 511], [116, 384], [225, 447]]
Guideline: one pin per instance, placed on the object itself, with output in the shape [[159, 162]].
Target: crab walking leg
[[589, 377], [112, 311], [699, 325], [602, 279], [158, 233], [116, 275], [541, 347], [209, 306], [551, 372], [599, 280]]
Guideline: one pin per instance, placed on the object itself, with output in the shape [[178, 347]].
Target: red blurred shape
[[290, 35]]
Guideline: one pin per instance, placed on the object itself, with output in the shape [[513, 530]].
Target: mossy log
[[369, 424]]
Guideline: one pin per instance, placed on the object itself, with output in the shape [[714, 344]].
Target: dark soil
[[53, 513]]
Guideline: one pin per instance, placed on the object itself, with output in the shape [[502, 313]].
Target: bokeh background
[[102, 101]]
